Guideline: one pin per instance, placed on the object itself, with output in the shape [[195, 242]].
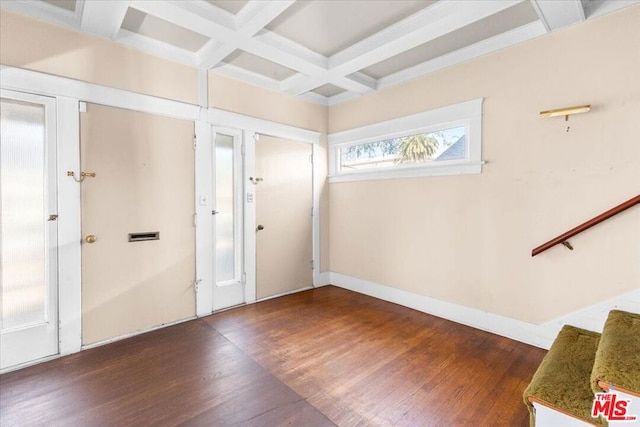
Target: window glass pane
[[22, 206], [446, 144], [225, 241]]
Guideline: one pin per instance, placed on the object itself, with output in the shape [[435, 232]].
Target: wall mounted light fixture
[[565, 111]]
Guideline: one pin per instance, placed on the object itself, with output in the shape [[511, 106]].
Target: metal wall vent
[[141, 237]]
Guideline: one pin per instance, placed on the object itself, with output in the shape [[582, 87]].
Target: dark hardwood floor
[[322, 357]]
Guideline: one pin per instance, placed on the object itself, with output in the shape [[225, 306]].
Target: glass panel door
[[28, 234], [227, 172]]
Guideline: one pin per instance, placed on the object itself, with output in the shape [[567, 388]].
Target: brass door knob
[[90, 238]]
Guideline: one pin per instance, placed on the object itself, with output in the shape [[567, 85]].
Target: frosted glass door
[[27, 232], [227, 173]]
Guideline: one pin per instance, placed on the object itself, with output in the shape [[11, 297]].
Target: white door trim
[[249, 195]]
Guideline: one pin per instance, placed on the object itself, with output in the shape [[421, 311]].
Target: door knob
[[260, 227], [90, 238]]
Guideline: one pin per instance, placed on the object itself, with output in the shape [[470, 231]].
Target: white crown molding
[[493, 44]]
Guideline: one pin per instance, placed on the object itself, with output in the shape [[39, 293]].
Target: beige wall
[[468, 239], [233, 95], [34, 45]]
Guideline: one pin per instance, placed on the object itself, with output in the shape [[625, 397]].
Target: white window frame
[[466, 114]]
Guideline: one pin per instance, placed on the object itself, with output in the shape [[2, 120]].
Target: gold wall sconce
[[566, 112]]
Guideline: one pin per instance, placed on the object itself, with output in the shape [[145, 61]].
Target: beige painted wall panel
[[468, 239], [144, 183], [283, 203], [35, 45], [233, 95]]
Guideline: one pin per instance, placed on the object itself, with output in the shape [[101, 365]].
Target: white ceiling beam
[[103, 18], [428, 24], [253, 17], [257, 14], [213, 52], [559, 13], [207, 22]]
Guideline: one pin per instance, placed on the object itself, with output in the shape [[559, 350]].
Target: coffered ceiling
[[326, 51]]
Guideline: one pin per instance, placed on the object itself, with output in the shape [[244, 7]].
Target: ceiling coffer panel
[[329, 90]]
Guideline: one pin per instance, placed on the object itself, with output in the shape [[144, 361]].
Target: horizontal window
[[445, 141]]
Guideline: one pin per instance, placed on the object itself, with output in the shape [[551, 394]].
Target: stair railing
[[563, 238]]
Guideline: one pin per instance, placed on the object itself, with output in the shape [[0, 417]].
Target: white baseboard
[[541, 335], [133, 334], [295, 291], [323, 279]]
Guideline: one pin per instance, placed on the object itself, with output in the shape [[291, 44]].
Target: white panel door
[[227, 213], [28, 228]]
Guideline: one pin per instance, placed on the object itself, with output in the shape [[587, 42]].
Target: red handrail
[[588, 224]]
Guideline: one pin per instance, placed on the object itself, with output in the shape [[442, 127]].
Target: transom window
[[445, 141]]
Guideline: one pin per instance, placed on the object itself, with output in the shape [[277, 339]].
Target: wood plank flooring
[[322, 357]]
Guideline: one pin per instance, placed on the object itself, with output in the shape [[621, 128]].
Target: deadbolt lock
[[90, 238]]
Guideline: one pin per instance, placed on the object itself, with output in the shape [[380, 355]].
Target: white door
[[228, 288], [28, 228], [284, 199]]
